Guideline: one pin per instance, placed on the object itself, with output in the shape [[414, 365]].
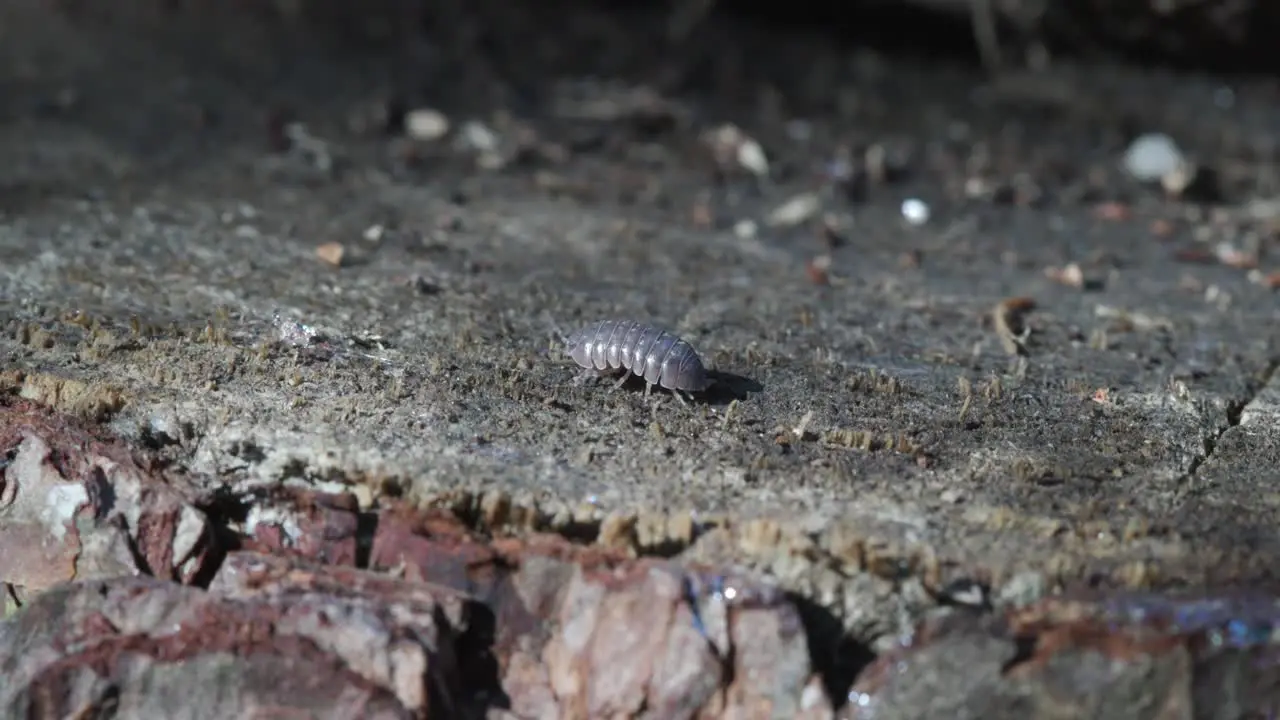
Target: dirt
[[881, 429]]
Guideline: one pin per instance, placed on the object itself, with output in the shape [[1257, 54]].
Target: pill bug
[[658, 356]]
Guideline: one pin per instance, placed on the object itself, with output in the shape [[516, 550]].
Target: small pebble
[[477, 136], [331, 253], [795, 211], [729, 143], [915, 211], [817, 269], [751, 156], [1179, 179], [426, 124], [1152, 156]]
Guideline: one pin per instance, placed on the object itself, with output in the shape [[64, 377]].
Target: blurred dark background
[[1221, 36], [1224, 36], [1229, 36]]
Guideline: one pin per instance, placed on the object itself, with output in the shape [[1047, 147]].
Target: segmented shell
[[658, 356]]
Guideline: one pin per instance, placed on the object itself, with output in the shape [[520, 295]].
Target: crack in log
[[1235, 411]]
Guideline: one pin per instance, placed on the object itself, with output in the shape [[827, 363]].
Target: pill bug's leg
[[622, 380], [586, 375], [680, 396]]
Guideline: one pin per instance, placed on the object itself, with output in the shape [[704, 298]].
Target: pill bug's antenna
[[556, 333], [564, 339]]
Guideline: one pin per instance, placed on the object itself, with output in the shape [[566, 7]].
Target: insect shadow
[[725, 387]]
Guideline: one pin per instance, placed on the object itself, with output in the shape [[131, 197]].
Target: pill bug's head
[[575, 346], [692, 375]]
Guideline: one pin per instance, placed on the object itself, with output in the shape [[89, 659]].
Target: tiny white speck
[[915, 211], [751, 156], [477, 136]]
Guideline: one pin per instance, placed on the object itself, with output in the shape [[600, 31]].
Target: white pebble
[[745, 229], [426, 124], [729, 144], [1152, 156], [794, 211], [751, 156], [915, 211], [477, 136]]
